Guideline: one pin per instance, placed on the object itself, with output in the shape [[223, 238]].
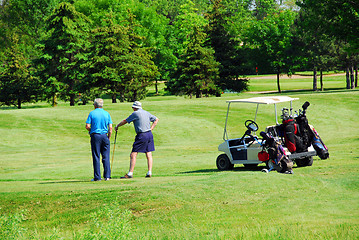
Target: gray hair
[[98, 102]]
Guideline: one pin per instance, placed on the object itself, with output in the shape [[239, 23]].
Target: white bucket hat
[[137, 105]]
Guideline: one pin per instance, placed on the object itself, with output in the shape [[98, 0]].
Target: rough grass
[[45, 168]]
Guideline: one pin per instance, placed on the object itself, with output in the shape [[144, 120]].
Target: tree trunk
[[347, 78], [72, 95], [321, 80], [122, 97], [114, 100], [134, 96], [19, 103], [356, 76], [54, 100], [156, 86], [278, 85], [351, 69], [315, 79], [72, 99]]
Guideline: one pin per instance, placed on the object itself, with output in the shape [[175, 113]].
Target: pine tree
[[225, 48], [63, 53], [17, 86], [138, 69], [110, 45], [197, 70]]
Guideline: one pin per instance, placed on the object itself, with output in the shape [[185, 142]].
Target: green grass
[[45, 168], [302, 82]]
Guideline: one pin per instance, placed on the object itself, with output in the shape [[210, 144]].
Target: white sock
[[130, 173], [149, 173]]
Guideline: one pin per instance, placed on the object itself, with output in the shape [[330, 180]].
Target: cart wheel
[[265, 170], [223, 163], [304, 162]]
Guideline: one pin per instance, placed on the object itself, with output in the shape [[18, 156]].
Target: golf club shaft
[[113, 153]]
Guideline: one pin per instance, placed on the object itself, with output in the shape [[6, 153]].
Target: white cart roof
[[265, 100]]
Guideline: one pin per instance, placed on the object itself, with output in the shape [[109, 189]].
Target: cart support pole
[[255, 117], [225, 135]]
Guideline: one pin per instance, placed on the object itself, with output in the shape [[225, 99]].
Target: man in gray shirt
[[144, 139]]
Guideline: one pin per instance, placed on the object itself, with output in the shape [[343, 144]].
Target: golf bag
[[292, 136], [319, 145], [275, 154], [299, 135]]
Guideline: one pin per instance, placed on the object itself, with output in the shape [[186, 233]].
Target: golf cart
[[244, 150]]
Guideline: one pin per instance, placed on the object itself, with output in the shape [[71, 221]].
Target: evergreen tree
[[226, 49], [63, 53], [17, 86], [110, 45], [197, 70], [138, 68]]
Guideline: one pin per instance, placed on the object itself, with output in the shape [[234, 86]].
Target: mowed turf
[[46, 167]]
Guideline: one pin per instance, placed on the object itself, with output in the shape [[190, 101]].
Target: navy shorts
[[143, 143]]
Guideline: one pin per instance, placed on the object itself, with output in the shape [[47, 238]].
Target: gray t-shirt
[[141, 120]]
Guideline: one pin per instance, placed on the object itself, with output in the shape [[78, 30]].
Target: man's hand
[[154, 124], [88, 127], [109, 131], [123, 122]]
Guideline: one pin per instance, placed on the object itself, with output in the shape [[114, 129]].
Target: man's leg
[[96, 151], [105, 152], [149, 161], [133, 158]]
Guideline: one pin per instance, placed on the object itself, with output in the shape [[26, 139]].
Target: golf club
[[113, 153]]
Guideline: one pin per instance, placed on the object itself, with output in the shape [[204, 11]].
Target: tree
[[197, 70], [158, 37], [138, 68], [110, 45], [26, 19], [315, 49], [134, 51], [271, 40], [225, 48], [338, 18], [17, 86], [63, 53]]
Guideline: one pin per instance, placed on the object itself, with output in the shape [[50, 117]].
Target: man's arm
[[123, 122], [88, 127], [109, 131], [154, 124]]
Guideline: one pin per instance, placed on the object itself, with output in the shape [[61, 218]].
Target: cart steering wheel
[[251, 125]]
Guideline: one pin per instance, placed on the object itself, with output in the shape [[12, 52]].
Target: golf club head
[[305, 105], [264, 135]]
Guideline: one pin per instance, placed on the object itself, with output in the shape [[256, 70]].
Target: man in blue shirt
[[144, 139], [99, 125]]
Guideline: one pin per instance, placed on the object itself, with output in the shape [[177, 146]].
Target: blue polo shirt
[[99, 120]]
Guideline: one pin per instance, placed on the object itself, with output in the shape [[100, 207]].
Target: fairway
[[46, 167]]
